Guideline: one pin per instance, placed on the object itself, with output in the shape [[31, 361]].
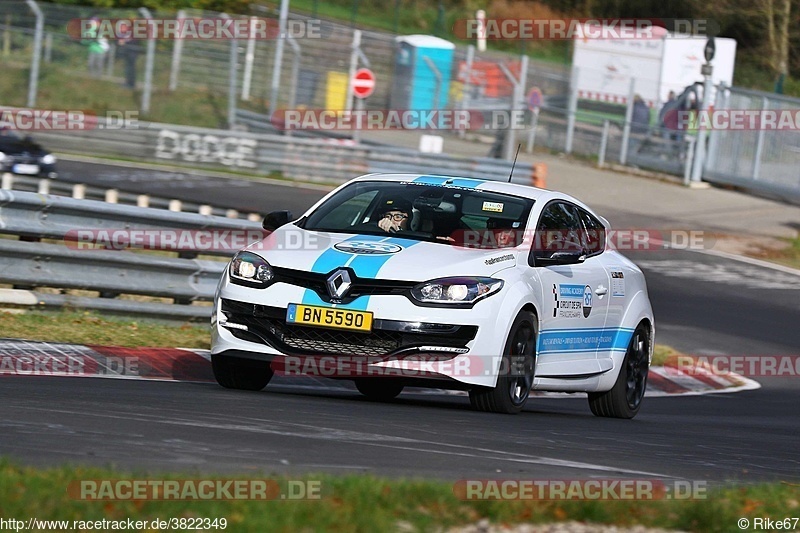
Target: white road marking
[[734, 274]]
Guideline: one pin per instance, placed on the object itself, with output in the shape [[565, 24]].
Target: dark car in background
[[22, 155]]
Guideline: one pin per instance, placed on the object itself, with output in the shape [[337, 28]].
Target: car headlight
[[49, 159], [456, 291], [249, 269]]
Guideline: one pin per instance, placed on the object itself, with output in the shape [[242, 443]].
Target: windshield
[[445, 214]]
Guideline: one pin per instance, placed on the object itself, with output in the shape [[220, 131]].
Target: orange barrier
[[539, 175]]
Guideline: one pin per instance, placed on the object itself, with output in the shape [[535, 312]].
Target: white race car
[[394, 280]]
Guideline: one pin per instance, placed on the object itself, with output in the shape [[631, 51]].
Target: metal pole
[[248, 61], [517, 95], [232, 75], [572, 109], [48, 48], [626, 129], [467, 88], [759, 143], [354, 52], [687, 167], [148, 66], [295, 72], [177, 52], [720, 102], [601, 157], [532, 132], [702, 133], [276, 66], [356, 131], [33, 84]]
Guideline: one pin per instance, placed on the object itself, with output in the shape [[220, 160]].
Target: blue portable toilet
[[414, 83]]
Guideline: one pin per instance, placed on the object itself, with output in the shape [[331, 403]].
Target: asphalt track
[[704, 304]]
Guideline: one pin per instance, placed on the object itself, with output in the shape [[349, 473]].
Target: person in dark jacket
[[640, 121], [129, 49]]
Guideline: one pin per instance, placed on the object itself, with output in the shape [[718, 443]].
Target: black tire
[[625, 397], [516, 371], [380, 389], [240, 373]]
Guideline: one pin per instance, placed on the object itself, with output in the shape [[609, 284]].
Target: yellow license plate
[[329, 317]]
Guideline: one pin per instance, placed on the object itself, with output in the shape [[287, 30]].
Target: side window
[[594, 236], [559, 230]]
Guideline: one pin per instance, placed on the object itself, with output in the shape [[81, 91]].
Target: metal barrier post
[[759, 143], [532, 132], [233, 64], [626, 130], [177, 52], [33, 84], [276, 66], [466, 88], [601, 156], [572, 109], [356, 48], [148, 66], [687, 166], [249, 57]]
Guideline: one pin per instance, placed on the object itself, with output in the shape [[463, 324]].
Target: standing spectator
[[640, 121], [98, 48], [665, 122], [128, 48]]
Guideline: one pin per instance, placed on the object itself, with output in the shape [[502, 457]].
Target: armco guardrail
[[33, 215], [325, 160], [33, 265]]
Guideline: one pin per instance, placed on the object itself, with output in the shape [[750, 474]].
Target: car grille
[[268, 324], [359, 286]]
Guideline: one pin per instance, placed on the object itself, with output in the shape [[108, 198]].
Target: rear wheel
[[625, 397], [517, 369], [240, 373], [379, 389]]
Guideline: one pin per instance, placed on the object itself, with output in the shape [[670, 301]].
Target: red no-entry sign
[[363, 83]]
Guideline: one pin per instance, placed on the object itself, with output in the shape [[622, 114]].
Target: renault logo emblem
[[338, 283]]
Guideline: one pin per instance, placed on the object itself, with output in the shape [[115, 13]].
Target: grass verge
[[788, 256], [366, 503], [84, 327]]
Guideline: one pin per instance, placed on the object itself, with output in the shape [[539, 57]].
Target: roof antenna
[[514, 163]]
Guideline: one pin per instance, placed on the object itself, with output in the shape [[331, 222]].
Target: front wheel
[[240, 373], [625, 397], [517, 368]]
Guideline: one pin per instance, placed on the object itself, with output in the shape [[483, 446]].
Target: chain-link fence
[[761, 158]]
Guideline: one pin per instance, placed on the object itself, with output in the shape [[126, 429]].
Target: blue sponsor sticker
[[571, 291]]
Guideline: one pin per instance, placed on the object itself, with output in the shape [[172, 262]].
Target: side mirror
[[572, 257], [276, 219]]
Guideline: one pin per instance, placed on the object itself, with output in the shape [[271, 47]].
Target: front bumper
[[461, 345]]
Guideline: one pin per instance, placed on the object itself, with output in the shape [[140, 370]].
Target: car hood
[[377, 256]]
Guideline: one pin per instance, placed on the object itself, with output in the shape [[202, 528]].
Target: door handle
[[601, 291]]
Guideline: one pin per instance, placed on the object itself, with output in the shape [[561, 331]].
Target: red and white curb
[[33, 358]]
